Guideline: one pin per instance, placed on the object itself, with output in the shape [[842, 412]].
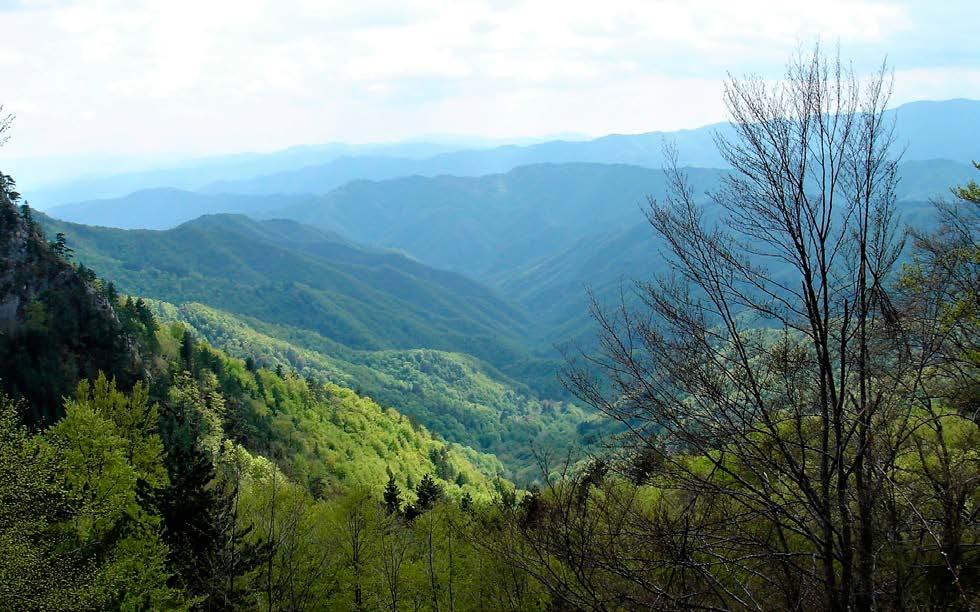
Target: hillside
[[57, 322], [538, 234], [453, 395], [480, 226], [283, 272], [169, 472], [483, 225], [323, 435]]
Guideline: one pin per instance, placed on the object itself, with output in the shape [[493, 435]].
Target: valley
[[725, 367]]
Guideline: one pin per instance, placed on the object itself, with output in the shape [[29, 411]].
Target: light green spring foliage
[[335, 547], [108, 445], [454, 395], [79, 535], [324, 436], [347, 553], [74, 533]]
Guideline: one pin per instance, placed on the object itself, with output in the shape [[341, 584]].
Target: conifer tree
[[392, 496], [427, 494]]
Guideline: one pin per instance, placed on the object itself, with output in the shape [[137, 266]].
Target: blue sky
[[207, 76]]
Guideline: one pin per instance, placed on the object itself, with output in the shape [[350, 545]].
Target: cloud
[[146, 75]]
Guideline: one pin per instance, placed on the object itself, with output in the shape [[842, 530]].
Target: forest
[[253, 413]]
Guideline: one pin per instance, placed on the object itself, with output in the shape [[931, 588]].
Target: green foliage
[[325, 434], [282, 272], [57, 326], [453, 395], [77, 531]]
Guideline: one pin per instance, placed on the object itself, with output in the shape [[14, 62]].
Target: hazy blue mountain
[[285, 273], [195, 173], [948, 129], [55, 180], [166, 208], [639, 150], [555, 289], [488, 227], [924, 130], [490, 224], [498, 224]]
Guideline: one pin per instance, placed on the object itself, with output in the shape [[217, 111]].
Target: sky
[[122, 77]]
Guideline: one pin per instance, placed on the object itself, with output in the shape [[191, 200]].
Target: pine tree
[[187, 351], [392, 496], [427, 493], [466, 502], [207, 549]]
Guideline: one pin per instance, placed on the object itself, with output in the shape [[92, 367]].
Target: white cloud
[[209, 75]]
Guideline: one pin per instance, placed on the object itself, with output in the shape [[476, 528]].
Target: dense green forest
[[452, 394], [297, 275], [242, 414]]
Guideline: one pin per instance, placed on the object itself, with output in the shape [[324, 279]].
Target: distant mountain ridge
[[195, 173], [481, 226], [924, 130]]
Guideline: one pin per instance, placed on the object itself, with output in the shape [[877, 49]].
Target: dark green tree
[[207, 550], [427, 494], [392, 496], [187, 351]]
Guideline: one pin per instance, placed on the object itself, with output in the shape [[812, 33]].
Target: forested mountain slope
[[286, 273], [57, 324], [492, 223], [497, 225], [477, 225], [538, 234], [62, 324], [453, 395], [176, 475]]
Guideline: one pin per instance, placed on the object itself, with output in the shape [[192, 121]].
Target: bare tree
[[771, 363], [6, 120], [394, 551], [355, 532]]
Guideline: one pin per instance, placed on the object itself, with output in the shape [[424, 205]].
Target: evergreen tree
[[60, 248], [187, 351], [392, 496], [466, 502], [427, 494], [207, 549]]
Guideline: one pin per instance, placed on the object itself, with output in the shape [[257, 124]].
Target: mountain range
[[924, 130], [445, 292]]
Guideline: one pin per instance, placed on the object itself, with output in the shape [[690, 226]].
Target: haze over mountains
[[470, 306], [926, 130], [534, 224], [301, 276]]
